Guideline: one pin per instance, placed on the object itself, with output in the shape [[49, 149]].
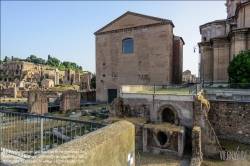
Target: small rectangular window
[[128, 46]]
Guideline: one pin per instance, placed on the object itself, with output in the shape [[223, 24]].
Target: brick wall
[[231, 120], [37, 102]]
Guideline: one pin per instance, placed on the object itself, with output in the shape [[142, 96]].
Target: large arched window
[[128, 46]]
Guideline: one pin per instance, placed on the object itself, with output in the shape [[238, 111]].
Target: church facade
[[136, 49], [222, 40]]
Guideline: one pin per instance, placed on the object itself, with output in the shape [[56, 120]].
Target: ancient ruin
[[27, 76], [167, 121], [37, 102], [70, 100]]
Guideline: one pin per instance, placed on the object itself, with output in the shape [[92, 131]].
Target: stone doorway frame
[[172, 108]]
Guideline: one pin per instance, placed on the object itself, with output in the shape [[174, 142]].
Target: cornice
[[130, 28], [135, 14]]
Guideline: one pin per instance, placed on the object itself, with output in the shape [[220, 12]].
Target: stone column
[[14, 90], [56, 74]]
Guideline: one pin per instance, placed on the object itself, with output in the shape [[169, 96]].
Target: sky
[[64, 29]]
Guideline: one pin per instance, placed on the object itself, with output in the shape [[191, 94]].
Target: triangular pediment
[[131, 20]]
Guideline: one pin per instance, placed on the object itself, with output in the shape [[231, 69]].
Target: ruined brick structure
[[37, 102], [88, 96], [70, 100], [136, 49], [221, 40], [74, 77], [168, 120], [196, 147], [210, 144], [231, 120], [17, 71]]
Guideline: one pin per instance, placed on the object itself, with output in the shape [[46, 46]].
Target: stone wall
[[111, 145], [209, 143], [88, 96], [70, 100], [231, 120], [37, 102], [183, 109], [196, 147]]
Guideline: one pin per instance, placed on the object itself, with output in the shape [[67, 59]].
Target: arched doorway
[[168, 116]]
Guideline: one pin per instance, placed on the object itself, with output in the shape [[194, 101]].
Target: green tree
[[239, 68], [93, 81], [6, 59], [16, 59]]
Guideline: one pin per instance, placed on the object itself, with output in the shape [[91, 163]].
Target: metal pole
[[41, 133], [0, 137]]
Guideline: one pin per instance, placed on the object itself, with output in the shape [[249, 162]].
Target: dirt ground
[[148, 159], [230, 146]]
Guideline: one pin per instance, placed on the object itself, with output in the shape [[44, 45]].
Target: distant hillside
[[52, 62]]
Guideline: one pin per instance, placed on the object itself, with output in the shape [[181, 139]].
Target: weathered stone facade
[[221, 40], [17, 71], [74, 77], [210, 145], [196, 147], [88, 96], [70, 100], [169, 113], [37, 102], [231, 120], [153, 60]]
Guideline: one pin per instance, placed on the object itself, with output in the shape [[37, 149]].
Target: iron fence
[[26, 135]]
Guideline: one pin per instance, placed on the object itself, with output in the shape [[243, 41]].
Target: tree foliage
[[52, 62], [239, 68]]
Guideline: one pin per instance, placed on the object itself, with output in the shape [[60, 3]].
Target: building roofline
[[135, 14], [181, 39]]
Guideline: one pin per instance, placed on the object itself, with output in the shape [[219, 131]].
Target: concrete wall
[[182, 105], [108, 146], [229, 95], [231, 120]]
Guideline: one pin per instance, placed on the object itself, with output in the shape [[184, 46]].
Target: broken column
[[37, 102], [197, 155]]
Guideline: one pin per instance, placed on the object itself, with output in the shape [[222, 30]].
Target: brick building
[[221, 40], [188, 77], [136, 49]]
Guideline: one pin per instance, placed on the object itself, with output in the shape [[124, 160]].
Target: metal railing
[[26, 135], [162, 89], [228, 86]]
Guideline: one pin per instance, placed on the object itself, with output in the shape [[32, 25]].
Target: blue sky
[[64, 29]]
